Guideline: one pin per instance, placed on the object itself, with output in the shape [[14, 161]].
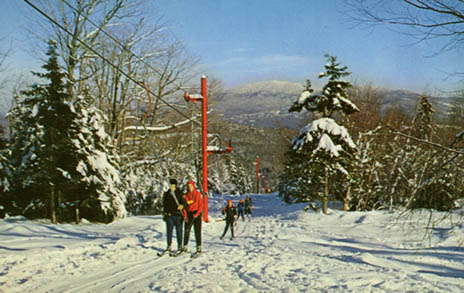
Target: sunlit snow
[[282, 249]]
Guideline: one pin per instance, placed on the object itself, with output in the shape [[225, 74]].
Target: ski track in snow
[[282, 249]]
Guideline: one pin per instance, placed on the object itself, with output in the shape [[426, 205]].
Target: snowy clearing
[[283, 249]]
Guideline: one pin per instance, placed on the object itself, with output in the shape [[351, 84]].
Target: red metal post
[[204, 147], [257, 174], [204, 143]]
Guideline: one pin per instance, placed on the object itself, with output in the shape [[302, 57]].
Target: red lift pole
[[204, 140], [204, 146], [257, 174], [264, 182]]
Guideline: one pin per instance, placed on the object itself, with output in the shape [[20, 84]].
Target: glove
[[190, 202], [180, 207]]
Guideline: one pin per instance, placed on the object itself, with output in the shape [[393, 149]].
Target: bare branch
[[424, 19]]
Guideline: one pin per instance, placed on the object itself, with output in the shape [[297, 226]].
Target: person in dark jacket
[[241, 210], [194, 202], [173, 214], [229, 211], [248, 207]]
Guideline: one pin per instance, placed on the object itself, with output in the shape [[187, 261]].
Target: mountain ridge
[[266, 103]]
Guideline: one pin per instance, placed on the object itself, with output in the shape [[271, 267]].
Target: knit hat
[[173, 181]]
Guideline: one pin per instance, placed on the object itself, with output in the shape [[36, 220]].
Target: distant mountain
[[263, 104], [266, 103]]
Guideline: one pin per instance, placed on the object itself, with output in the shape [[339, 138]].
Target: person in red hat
[[229, 211], [194, 202]]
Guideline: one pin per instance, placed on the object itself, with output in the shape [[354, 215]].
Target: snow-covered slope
[[283, 248]]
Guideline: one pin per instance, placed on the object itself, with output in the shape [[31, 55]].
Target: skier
[[229, 211], [173, 215], [241, 209], [248, 207], [194, 202]]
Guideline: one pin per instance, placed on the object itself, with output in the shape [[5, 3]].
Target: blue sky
[[241, 41], [249, 40]]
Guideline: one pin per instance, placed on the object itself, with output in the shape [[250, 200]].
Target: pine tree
[[41, 119], [236, 177], [322, 152], [96, 173], [422, 123], [5, 175], [61, 157], [430, 181]]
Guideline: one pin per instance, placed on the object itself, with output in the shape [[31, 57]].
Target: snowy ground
[[282, 249]]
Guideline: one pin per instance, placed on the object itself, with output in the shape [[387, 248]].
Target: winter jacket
[[241, 206], [230, 213], [170, 206], [194, 200], [248, 204]]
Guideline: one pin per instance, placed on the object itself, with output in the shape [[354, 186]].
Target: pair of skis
[[176, 253]]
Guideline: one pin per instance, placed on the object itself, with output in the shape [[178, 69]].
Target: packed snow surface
[[282, 249]]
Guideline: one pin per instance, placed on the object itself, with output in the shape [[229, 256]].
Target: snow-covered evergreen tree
[[245, 183], [423, 121], [233, 180], [5, 176], [61, 158], [321, 154], [145, 182], [229, 176], [5, 173], [41, 119], [366, 190], [98, 174], [430, 181]]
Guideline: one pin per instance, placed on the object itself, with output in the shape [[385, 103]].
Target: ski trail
[[119, 278]]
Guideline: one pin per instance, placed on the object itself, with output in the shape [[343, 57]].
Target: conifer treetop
[[333, 97]]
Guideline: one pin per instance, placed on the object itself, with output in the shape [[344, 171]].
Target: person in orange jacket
[[194, 202]]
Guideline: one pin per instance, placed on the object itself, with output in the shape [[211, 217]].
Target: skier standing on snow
[[173, 215], [248, 207], [230, 213], [241, 210], [194, 202]]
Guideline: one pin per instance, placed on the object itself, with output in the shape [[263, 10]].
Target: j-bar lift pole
[[203, 98], [257, 174]]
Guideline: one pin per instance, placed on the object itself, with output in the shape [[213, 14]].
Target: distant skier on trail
[[173, 215], [248, 207], [230, 212], [194, 202], [241, 210]]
